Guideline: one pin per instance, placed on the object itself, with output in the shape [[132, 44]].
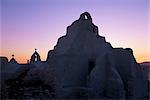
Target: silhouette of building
[[35, 57], [83, 65], [12, 60], [85, 62]]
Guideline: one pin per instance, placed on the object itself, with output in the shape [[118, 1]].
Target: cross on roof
[[12, 55]]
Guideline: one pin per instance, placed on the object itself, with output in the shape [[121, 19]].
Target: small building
[[35, 57]]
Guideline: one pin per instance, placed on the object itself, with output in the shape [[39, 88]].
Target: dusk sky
[[30, 24]]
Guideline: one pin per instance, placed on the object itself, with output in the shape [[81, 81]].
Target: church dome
[[12, 60]]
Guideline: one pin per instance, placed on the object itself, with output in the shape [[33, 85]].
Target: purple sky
[[29, 24]]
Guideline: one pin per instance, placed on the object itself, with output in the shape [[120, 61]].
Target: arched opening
[[91, 65], [35, 58], [85, 17]]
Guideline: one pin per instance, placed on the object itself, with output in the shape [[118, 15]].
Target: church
[[82, 65]]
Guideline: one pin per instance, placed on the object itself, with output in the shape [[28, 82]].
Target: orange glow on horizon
[[142, 58], [22, 59]]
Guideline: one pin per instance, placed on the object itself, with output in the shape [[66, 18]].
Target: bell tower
[[35, 56]]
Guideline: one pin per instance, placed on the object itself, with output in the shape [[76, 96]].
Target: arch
[[91, 65], [85, 16]]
